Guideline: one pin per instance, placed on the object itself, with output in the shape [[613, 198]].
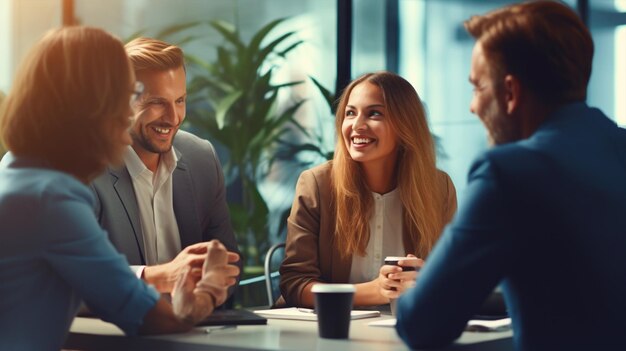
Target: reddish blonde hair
[[416, 172], [70, 93], [148, 53], [542, 43]]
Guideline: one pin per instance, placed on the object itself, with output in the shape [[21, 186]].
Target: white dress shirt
[[154, 191], [385, 237]]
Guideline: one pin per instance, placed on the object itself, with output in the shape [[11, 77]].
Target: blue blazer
[[545, 216], [53, 255], [199, 197]]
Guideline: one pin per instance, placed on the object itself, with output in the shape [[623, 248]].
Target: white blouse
[[385, 237]]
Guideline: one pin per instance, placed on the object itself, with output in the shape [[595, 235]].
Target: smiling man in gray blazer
[[168, 199]]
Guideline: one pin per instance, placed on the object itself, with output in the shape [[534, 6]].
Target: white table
[[94, 334]]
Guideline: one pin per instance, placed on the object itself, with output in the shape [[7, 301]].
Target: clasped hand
[[393, 282], [164, 276], [199, 290]]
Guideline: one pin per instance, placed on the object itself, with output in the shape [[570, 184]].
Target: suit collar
[[181, 162], [185, 206], [123, 185], [565, 116]]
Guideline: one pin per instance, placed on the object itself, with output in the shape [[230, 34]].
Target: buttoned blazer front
[[311, 254], [199, 198]]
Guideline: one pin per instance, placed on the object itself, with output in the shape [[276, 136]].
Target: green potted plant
[[232, 99]]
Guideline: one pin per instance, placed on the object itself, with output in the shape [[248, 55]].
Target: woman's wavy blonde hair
[[416, 173]]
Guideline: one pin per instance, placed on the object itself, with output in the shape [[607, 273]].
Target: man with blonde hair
[[544, 212], [168, 200]]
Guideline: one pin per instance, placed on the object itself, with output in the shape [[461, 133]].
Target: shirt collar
[[390, 195], [169, 160], [136, 167]]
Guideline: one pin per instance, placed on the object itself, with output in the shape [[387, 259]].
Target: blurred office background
[[422, 40]]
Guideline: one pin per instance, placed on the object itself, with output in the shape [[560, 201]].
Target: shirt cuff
[[138, 270]]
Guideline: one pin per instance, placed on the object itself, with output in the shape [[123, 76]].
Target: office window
[[368, 46], [620, 75], [5, 45], [620, 64], [435, 56], [22, 23]]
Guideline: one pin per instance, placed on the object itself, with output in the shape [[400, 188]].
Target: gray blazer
[[199, 201]]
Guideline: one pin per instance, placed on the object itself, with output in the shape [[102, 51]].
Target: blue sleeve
[[464, 267], [80, 252]]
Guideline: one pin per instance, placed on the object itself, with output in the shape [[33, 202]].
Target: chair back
[[273, 258]]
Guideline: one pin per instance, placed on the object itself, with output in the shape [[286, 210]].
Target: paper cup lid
[[333, 288]]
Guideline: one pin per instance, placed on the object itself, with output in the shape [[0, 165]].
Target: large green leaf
[[262, 55], [286, 116], [198, 83], [284, 52], [225, 64], [223, 106], [248, 62], [294, 148], [285, 85], [328, 96], [239, 216], [257, 39], [289, 151], [300, 127], [259, 218], [193, 59], [229, 32], [261, 86]]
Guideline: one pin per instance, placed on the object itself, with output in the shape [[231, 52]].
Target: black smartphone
[[393, 261]]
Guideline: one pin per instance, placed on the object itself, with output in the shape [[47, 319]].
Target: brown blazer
[[310, 254]]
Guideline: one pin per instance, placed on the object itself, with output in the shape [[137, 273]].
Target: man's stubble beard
[[145, 143]]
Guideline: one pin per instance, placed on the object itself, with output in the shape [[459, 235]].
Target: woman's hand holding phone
[[398, 274]]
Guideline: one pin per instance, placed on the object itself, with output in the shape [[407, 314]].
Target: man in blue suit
[[545, 210], [168, 199]]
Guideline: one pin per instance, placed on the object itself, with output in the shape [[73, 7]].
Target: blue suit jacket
[[199, 197], [546, 217]]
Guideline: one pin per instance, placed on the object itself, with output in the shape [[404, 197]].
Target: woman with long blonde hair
[[381, 195]]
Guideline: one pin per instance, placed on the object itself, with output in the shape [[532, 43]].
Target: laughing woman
[[381, 195]]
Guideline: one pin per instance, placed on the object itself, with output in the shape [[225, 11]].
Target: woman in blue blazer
[[64, 121]]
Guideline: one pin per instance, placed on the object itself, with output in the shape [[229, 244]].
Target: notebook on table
[[307, 314], [479, 325], [233, 317]]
